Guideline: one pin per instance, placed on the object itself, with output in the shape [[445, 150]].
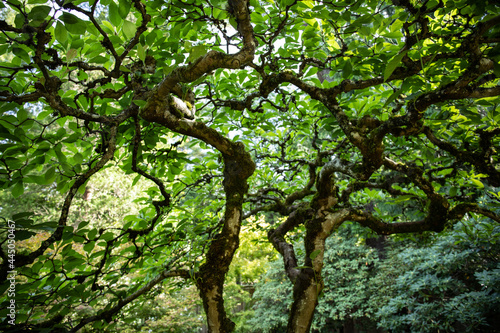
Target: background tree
[[451, 283], [317, 112]]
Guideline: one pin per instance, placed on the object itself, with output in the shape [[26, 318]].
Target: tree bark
[[309, 283], [305, 299], [210, 279], [238, 166]]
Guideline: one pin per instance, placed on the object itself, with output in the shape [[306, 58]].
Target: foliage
[[247, 268], [448, 283], [451, 285], [178, 311], [310, 113], [273, 298], [105, 201], [349, 273]]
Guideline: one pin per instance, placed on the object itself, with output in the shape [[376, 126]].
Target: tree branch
[[108, 314]]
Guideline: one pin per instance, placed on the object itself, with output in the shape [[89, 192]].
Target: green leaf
[[196, 52], [22, 215], [114, 14], [129, 29], [109, 28], [71, 54], [453, 191], [61, 33], [395, 34], [39, 13], [18, 189], [24, 234], [19, 21], [175, 169], [107, 236], [314, 254], [22, 115], [285, 3], [393, 64], [403, 198], [139, 102], [50, 174], [73, 24], [347, 70], [212, 165], [6, 134], [21, 53], [69, 18], [477, 183], [99, 60], [141, 52], [496, 69], [393, 97], [78, 158], [431, 4], [49, 226], [89, 246], [123, 8]]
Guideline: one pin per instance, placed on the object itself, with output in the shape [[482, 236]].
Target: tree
[[350, 270], [450, 284], [312, 113], [446, 282]]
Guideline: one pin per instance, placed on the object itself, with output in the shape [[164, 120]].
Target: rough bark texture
[[210, 278]]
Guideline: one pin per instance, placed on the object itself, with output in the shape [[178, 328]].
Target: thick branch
[[277, 238], [479, 160], [458, 212], [214, 59]]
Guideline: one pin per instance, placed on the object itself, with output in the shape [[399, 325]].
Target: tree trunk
[[305, 298], [309, 283], [210, 279], [213, 304], [238, 166]]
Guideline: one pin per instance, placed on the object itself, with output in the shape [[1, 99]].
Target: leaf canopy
[[310, 113]]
